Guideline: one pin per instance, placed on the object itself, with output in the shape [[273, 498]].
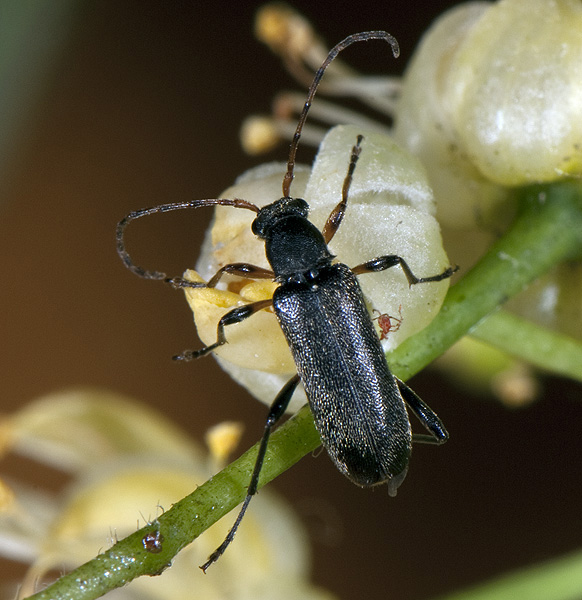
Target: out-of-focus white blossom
[[127, 463], [492, 98]]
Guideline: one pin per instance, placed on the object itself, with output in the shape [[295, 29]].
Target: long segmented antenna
[[351, 39], [119, 235]]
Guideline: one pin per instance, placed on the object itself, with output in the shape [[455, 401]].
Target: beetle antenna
[[356, 37], [120, 232]]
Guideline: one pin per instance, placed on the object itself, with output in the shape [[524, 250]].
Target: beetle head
[[270, 214]]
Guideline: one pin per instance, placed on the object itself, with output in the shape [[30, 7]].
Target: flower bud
[[390, 211], [493, 97]]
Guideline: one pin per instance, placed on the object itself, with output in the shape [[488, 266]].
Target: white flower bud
[[493, 97], [390, 211]]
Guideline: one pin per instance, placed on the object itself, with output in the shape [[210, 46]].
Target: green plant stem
[[540, 347], [548, 231], [554, 580], [187, 519]]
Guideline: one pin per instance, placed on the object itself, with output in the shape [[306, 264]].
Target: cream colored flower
[[493, 98]]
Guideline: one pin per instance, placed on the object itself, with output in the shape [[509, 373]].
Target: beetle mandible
[[358, 406]]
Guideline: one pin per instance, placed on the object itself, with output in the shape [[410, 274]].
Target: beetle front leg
[[381, 263], [241, 269], [236, 315]]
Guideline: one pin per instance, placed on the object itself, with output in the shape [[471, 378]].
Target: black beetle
[[358, 406]]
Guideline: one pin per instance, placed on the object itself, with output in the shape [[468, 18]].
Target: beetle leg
[[337, 214], [275, 413], [381, 263], [438, 433], [236, 315], [241, 269]]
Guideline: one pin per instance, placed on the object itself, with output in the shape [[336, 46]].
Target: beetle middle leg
[[275, 413], [429, 419], [381, 263], [236, 315]]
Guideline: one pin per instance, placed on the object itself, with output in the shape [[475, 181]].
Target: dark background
[[143, 107]]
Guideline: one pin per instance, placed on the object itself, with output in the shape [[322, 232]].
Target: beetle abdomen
[[355, 401]]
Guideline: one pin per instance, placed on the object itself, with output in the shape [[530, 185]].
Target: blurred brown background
[[141, 106]]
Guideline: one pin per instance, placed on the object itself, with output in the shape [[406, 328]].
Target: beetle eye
[[256, 227]]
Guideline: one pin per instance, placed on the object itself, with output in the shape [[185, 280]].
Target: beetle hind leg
[[429, 419], [275, 413]]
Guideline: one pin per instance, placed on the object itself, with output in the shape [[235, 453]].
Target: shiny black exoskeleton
[[357, 404]]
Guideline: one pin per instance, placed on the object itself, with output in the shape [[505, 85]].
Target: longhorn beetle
[[358, 405]]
